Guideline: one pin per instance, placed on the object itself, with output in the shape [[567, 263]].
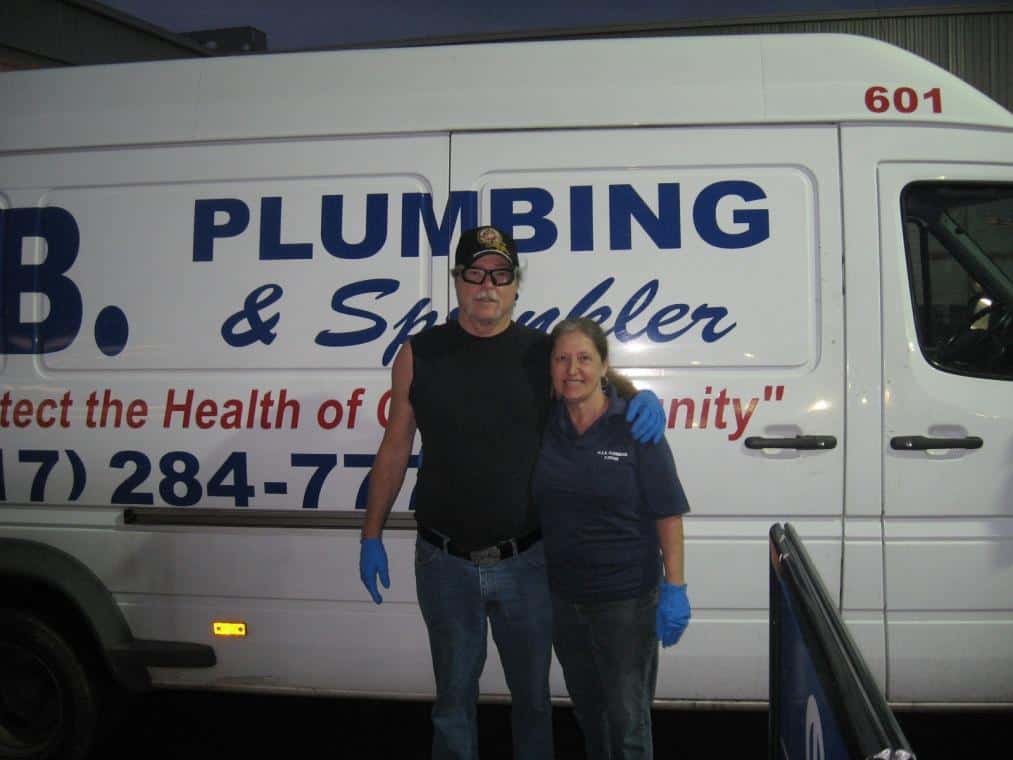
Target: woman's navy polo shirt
[[599, 496]]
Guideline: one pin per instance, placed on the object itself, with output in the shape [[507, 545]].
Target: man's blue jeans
[[459, 600], [609, 654]]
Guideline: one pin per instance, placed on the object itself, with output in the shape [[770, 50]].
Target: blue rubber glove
[[647, 416], [373, 562], [673, 614]]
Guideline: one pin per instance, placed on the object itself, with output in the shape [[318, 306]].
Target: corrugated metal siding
[[977, 47], [43, 33]]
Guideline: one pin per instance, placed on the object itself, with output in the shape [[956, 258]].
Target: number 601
[[904, 100]]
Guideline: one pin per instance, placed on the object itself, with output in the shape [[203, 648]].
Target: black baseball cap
[[480, 241]]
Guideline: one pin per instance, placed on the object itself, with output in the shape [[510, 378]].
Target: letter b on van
[[25, 333]]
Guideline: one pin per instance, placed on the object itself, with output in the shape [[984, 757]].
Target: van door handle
[[923, 443], [805, 442]]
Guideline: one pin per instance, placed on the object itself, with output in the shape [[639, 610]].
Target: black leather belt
[[490, 555]]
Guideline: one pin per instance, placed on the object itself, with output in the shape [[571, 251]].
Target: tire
[[49, 703]]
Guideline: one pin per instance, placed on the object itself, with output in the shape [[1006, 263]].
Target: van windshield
[[959, 245]]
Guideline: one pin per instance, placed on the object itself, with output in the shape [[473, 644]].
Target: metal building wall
[[975, 46], [44, 33]]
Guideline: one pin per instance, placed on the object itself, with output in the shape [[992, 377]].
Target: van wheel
[[48, 704]]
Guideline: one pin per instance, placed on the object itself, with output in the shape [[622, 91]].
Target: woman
[[607, 505]]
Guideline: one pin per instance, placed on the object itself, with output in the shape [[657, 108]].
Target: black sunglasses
[[476, 276]]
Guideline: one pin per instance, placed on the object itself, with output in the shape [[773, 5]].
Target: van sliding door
[[713, 259]]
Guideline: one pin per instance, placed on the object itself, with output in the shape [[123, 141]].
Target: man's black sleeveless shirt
[[480, 404]]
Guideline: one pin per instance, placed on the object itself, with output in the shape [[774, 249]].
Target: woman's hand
[[673, 613]]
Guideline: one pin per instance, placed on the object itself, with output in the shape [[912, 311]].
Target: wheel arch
[[59, 587]]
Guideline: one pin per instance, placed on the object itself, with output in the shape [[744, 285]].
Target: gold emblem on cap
[[490, 238]]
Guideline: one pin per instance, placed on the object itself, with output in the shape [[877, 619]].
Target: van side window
[[959, 242]]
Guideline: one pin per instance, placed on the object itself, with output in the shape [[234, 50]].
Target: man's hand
[[647, 416], [673, 613], [373, 562]]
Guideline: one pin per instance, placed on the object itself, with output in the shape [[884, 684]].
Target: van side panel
[[947, 514], [212, 326], [713, 258]]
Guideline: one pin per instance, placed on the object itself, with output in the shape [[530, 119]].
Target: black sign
[[824, 704]]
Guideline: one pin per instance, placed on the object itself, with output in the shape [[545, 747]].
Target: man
[[478, 390]]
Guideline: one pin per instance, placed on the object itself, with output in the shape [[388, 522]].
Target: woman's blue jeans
[[609, 654], [459, 600]]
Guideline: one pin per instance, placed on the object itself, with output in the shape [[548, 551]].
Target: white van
[[803, 245]]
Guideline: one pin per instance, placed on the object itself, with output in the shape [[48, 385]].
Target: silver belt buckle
[[484, 557]]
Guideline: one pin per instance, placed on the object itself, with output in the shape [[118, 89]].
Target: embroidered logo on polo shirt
[[612, 456]]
